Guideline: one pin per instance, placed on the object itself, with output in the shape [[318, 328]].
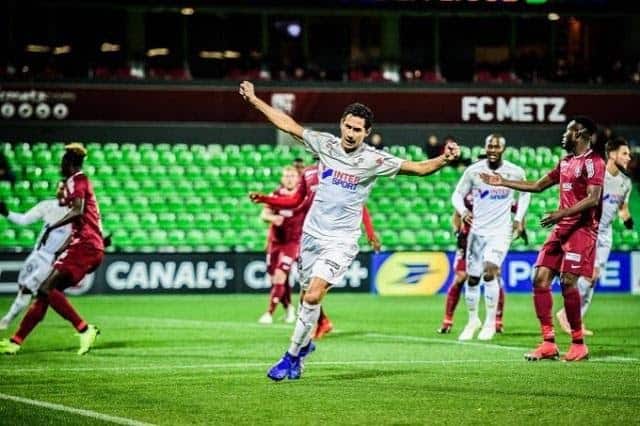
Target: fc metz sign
[[195, 103]]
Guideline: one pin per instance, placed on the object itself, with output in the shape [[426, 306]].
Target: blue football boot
[[282, 368]]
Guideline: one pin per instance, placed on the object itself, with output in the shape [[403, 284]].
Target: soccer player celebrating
[[615, 200], [301, 200], [490, 234], [83, 255], [39, 263], [283, 246], [348, 169], [570, 248]]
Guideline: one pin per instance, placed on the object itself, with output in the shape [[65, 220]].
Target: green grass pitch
[[173, 360]]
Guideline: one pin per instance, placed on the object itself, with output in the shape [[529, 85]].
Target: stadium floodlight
[[553, 16], [37, 48], [187, 11], [62, 50]]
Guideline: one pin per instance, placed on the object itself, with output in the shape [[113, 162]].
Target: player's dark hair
[[75, 154], [298, 160], [359, 110], [588, 124], [615, 144]]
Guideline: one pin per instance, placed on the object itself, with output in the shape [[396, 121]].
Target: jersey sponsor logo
[[612, 199], [342, 179], [577, 171], [493, 194], [567, 186], [407, 273]]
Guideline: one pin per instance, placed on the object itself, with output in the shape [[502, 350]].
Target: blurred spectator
[[432, 148], [5, 170], [376, 141]]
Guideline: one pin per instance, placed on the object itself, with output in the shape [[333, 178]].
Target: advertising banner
[[426, 273], [635, 274], [182, 273], [200, 103]]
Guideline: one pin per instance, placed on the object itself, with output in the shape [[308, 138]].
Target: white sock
[[472, 297], [307, 319], [21, 302], [491, 295], [586, 294]]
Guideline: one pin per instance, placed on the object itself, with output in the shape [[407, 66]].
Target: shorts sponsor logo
[[573, 257]]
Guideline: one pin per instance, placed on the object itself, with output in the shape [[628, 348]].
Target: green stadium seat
[[5, 190]]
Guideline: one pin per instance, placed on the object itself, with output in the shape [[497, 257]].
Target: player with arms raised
[[348, 170], [570, 248], [301, 201]]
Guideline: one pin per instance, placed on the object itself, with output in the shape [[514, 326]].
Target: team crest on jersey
[[577, 171], [342, 179]]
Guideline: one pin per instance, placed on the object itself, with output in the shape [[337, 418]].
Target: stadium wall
[[386, 274], [209, 113]]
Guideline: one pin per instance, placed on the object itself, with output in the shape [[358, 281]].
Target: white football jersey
[[492, 204], [615, 192], [345, 181], [50, 212]]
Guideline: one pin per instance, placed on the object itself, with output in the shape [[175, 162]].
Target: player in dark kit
[[83, 255], [283, 247], [570, 248]]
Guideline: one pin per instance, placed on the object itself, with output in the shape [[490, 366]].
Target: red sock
[[286, 297], [500, 306], [61, 305], [572, 308], [277, 291], [543, 302], [34, 315], [323, 317], [453, 296]]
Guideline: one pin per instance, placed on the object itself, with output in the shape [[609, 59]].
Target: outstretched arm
[[426, 167], [278, 118], [281, 201], [521, 185]]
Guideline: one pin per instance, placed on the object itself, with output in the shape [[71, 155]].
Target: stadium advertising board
[[635, 274], [182, 273], [402, 273], [196, 103], [425, 273]]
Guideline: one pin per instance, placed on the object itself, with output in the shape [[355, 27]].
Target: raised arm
[[278, 118], [426, 167]]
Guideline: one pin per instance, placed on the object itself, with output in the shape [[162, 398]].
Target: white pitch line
[[79, 411], [264, 365], [256, 365]]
